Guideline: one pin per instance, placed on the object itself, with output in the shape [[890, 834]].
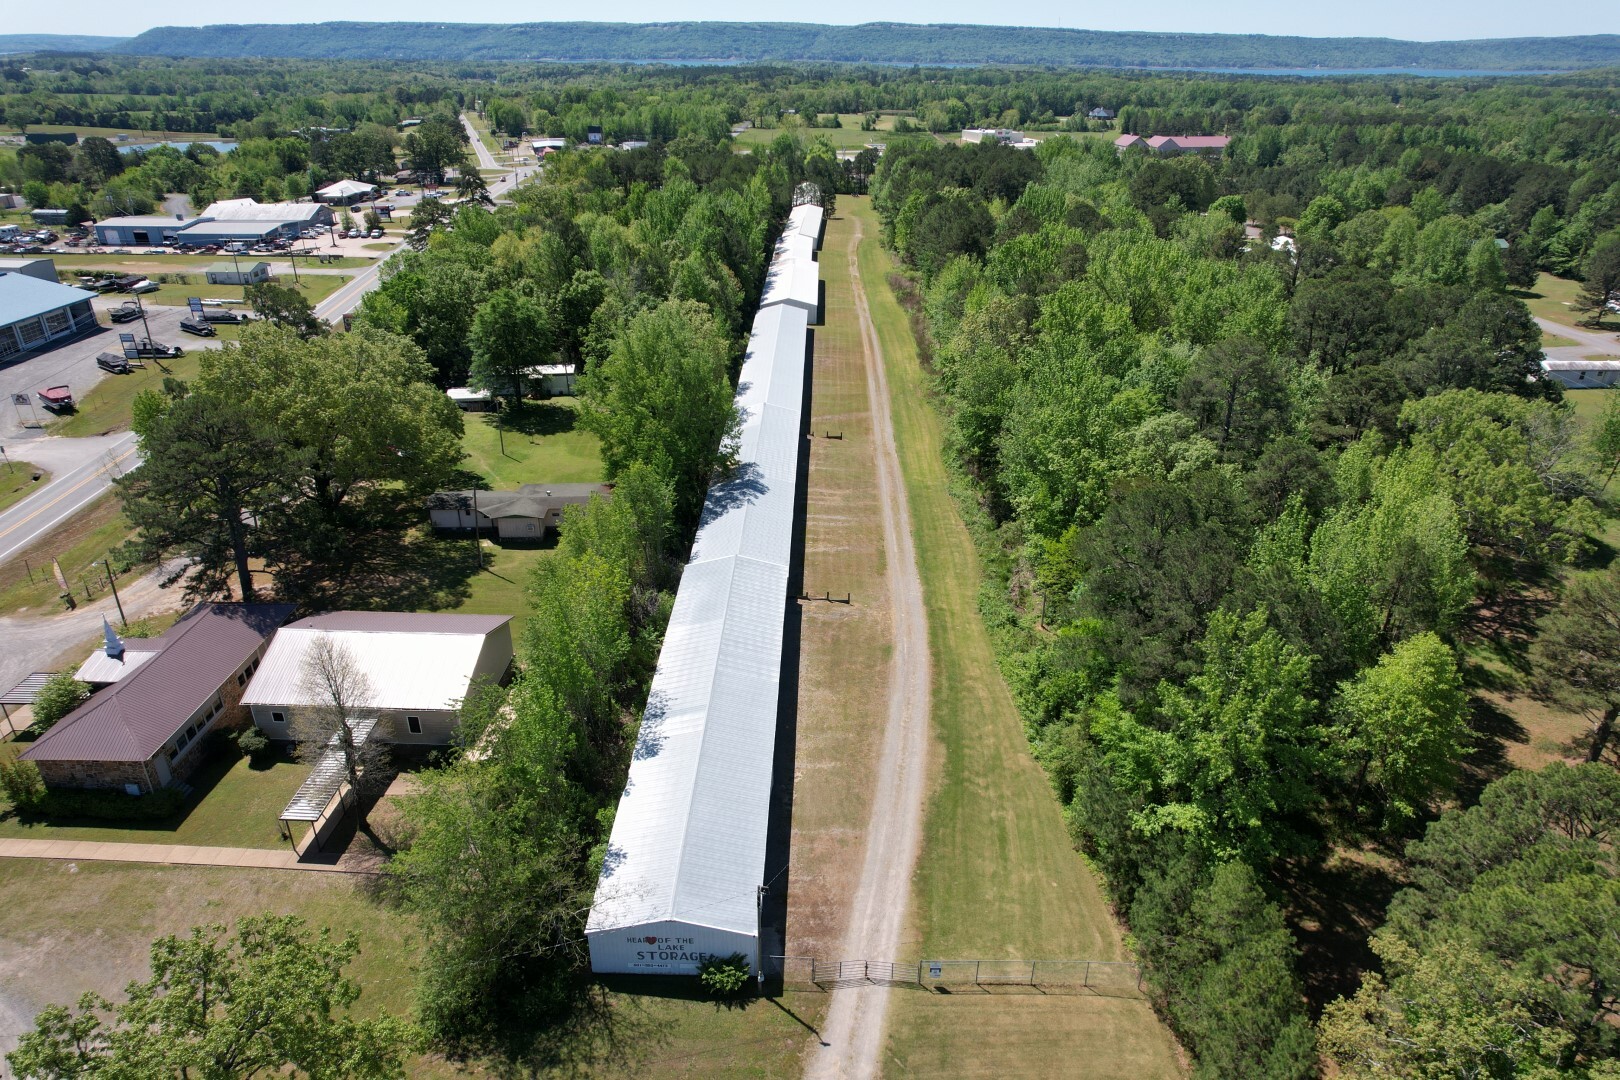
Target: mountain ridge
[[881, 42]]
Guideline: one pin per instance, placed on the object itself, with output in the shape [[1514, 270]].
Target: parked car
[[376, 234], [113, 362], [157, 251], [128, 311], [193, 325]]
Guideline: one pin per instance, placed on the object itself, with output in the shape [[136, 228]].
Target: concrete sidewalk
[[186, 855]]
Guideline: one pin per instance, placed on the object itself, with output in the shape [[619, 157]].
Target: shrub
[[105, 805], [725, 977], [251, 741], [60, 695], [21, 782]]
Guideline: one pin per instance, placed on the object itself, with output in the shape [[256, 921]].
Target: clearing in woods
[[998, 876]]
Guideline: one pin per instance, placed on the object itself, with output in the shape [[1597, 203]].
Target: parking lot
[[74, 363]]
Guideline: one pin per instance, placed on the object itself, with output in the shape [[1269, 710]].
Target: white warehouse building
[[686, 858]]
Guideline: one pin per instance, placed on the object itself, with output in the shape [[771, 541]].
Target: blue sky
[[1425, 20]]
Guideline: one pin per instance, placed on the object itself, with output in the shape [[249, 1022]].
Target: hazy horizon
[[1448, 20]]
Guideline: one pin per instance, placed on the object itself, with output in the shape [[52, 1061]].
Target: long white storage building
[[686, 858]]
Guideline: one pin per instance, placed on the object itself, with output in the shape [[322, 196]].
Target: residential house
[[142, 732], [419, 668], [232, 273], [525, 514], [1211, 146], [1100, 113], [1592, 374]]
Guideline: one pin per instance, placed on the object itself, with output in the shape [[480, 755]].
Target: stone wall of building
[[111, 775]]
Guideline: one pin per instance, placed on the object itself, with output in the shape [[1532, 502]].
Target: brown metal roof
[[135, 717], [402, 622]]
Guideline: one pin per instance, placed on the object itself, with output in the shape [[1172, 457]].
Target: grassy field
[[17, 482], [139, 134], [234, 804], [998, 877], [848, 137], [80, 545], [180, 264], [1556, 341], [543, 445], [314, 287], [1553, 298], [107, 406]]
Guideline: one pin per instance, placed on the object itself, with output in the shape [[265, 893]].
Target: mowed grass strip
[[998, 876], [844, 650], [79, 545], [20, 479]]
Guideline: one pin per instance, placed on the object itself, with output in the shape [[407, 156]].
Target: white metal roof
[[408, 667], [806, 221], [688, 842], [344, 188], [1581, 365], [794, 276], [103, 670]]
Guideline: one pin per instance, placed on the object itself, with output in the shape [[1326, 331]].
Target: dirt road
[[852, 1036]]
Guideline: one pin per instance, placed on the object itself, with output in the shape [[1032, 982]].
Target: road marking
[[102, 471]]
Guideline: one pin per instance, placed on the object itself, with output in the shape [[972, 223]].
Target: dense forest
[[887, 43], [1244, 509]]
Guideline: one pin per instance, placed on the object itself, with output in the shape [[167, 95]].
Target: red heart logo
[[651, 940]]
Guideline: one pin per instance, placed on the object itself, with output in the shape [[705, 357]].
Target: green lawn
[[234, 804], [80, 546], [848, 137], [1555, 341], [139, 134], [1588, 403], [998, 876], [314, 287], [17, 481], [543, 444], [107, 406], [1553, 298]]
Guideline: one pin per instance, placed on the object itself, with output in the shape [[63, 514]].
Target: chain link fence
[[1107, 977]]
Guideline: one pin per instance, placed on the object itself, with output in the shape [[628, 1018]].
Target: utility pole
[[478, 549], [122, 621]]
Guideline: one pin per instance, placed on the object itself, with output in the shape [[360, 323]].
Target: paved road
[[347, 297], [1588, 342], [81, 471], [486, 160]]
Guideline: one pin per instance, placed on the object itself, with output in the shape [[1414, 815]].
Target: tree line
[[1236, 502]]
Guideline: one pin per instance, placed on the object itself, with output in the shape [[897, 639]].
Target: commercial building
[[794, 276], [141, 733], [35, 312], [292, 217], [35, 267], [141, 230], [418, 668], [206, 233], [237, 273], [687, 854], [527, 513]]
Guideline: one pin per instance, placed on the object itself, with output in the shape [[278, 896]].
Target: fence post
[[1085, 981], [975, 973], [1032, 964], [919, 972]]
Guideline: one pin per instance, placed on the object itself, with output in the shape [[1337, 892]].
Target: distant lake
[[220, 145], [1323, 73]]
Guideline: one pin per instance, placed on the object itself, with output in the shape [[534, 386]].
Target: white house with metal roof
[[420, 668], [34, 313], [794, 276], [686, 859]]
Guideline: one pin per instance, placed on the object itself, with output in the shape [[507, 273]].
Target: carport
[[325, 796]]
